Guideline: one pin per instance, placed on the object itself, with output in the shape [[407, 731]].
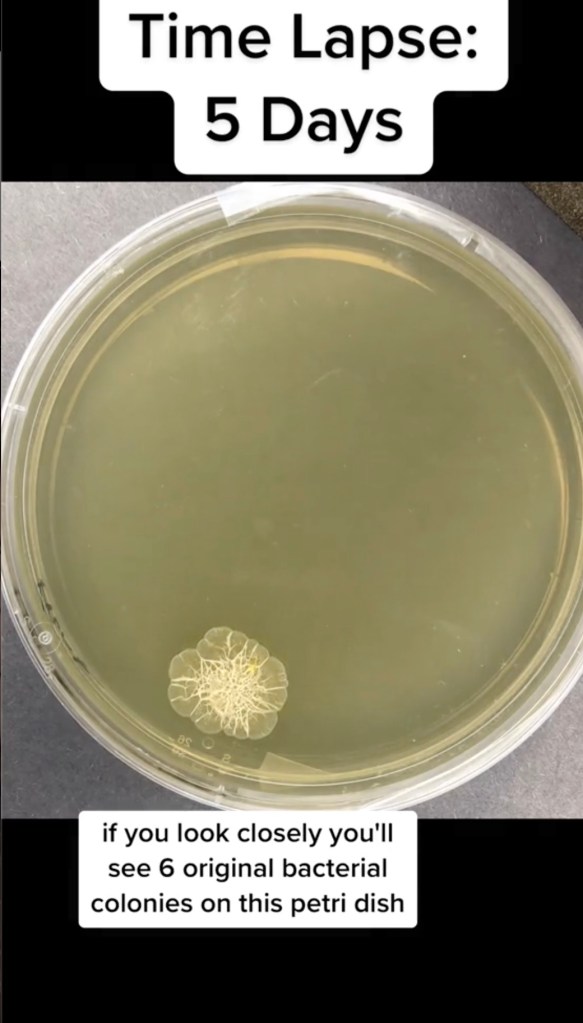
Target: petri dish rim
[[220, 210]]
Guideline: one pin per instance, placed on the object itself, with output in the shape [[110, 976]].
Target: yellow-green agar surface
[[349, 445]]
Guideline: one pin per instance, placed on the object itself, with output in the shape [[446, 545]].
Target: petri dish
[[292, 499]]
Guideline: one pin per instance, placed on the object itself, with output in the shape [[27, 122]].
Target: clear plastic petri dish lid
[[331, 288]]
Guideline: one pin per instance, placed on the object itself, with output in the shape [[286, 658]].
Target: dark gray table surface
[[51, 767]]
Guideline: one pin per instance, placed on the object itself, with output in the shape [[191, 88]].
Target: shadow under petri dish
[[345, 440]]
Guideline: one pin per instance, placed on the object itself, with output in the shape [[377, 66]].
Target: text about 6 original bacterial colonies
[[261, 870]]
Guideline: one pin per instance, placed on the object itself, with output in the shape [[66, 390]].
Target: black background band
[[488, 891], [60, 124]]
